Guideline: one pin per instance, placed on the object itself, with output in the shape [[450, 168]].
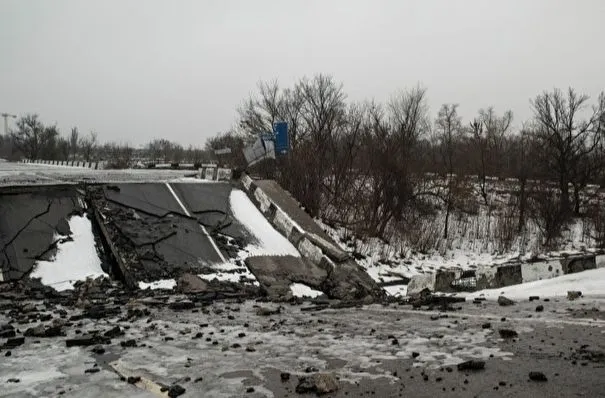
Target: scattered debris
[[574, 295]]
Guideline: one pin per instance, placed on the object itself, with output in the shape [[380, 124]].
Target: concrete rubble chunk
[[505, 302], [190, 283]]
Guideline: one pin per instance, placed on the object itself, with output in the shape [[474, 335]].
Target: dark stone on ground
[[284, 376], [537, 376], [415, 354], [87, 340], [8, 354], [175, 391], [473, 364], [6, 334], [181, 305], [250, 389], [486, 325], [504, 302], [133, 379], [99, 350], [129, 343], [532, 298], [508, 333], [113, 332], [199, 379], [540, 308], [92, 370], [13, 380], [14, 342]]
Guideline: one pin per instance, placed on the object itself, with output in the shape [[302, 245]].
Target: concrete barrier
[[497, 276]]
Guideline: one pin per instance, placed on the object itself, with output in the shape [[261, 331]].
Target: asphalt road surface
[[229, 350]]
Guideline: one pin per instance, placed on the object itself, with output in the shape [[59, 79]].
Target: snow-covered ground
[[75, 260], [160, 284]]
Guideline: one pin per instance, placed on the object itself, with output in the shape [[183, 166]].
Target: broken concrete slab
[[276, 273], [29, 220], [578, 263]]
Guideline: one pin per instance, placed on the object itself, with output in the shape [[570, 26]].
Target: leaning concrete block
[[541, 270], [283, 223], [247, 181], [310, 251], [331, 250], [263, 200]]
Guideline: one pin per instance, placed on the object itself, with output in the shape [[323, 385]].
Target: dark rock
[[92, 370], [175, 391], [7, 354], [198, 335], [311, 369], [319, 383], [574, 294], [13, 380], [504, 302], [181, 305], [284, 376], [191, 284], [508, 333], [486, 325], [113, 332], [502, 384], [87, 340], [395, 342], [240, 335], [537, 376], [128, 343], [250, 389], [250, 349], [199, 379], [532, 298], [473, 364], [415, 354], [99, 350], [133, 379], [540, 308], [14, 342]]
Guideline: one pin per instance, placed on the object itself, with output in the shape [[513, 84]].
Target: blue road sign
[[282, 140]]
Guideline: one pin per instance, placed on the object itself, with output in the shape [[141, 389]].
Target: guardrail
[[69, 163]]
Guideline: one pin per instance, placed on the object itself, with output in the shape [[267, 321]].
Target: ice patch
[[167, 284], [302, 290], [270, 242], [74, 261]]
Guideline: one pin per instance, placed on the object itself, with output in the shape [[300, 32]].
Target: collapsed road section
[[208, 238]]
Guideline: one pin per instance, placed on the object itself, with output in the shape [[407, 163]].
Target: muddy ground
[[247, 348]]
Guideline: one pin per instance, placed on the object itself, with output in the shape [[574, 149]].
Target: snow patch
[[270, 242], [302, 290], [74, 260], [167, 284]]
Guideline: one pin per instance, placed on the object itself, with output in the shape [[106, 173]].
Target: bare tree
[[488, 133], [448, 129], [73, 142], [88, 145], [565, 138], [28, 136]]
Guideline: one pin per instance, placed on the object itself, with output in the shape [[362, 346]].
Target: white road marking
[[178, 200]]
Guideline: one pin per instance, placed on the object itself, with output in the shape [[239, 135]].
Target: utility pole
[[6, 116]]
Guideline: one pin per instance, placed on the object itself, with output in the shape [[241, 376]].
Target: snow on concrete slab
[[74, 260], [166, 284], [269, 241], [302, 290], [590, 282]]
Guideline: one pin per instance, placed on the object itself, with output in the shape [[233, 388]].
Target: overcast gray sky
[[136, 70]]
